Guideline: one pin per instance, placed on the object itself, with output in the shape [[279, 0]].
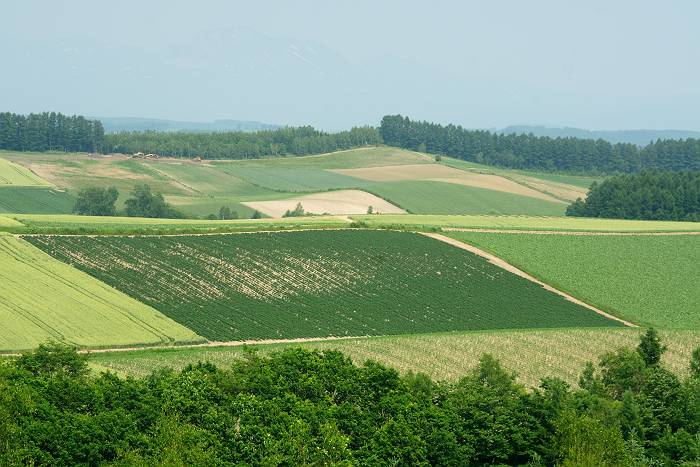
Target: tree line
[[300, 407], [295, 141], [526, 151], [650, 194], [50, 131]]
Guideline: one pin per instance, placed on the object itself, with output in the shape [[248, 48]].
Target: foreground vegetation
[[644, 279], [316, 283], [647, 195], [299, 407]]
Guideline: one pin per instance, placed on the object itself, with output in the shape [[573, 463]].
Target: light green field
[[427, 197], [293, 179], [649, 280], [9, 222], [44, 299], [350, 159], [207, 180], [127, 225], [525, 223], [15, 175], [448, 356]]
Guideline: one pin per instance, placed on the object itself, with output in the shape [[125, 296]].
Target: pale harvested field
[[557, 190], [443, 173], [532, 354], [331, 202], [59, 174]]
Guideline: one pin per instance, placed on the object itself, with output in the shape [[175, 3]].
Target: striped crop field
[[45, 299], [12, 174], [316, 283]]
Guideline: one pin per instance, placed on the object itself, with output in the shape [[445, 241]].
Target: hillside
[[404, 180]]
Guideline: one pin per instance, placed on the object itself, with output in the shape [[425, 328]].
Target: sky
[[334, 64]]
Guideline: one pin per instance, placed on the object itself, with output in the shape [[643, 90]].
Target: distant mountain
[[639, 137], [117, 124]]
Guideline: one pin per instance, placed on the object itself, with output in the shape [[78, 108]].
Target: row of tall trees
[[524, 151], [299, 407], [50, 131], [650, 194], [241, 145]]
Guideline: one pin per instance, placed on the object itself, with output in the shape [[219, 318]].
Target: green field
[[45, 299], [649, 280], [12, 174], [313, 284], [524, 223], [34, 200], [6, 222], [575, 180], [428, 197], [207, 180], [63, 224], [560, 353], [293, 179], [350, 159]]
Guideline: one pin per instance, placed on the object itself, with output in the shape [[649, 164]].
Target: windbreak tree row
[[50, 131], [239, 144], [523, 151]]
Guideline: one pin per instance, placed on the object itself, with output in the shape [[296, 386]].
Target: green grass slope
[[43, 299], [428, 197], [35, 200], [12, 174], [650, 280], [320, 283]]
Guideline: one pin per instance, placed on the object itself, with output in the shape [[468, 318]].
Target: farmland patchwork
[[316, 283]]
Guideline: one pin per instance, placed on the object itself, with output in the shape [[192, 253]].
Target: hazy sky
[[592, 64]]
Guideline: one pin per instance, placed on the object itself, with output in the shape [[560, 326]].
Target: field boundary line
[[496, 261], [174, 346], [569, 232]]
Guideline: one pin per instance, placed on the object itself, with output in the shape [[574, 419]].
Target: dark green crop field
[[316, 283]]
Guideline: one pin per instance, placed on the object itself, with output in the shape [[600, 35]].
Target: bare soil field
[[331, 202], [442, 173]]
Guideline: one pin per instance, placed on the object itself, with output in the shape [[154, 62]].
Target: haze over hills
[[117, 124], [639, 137]]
